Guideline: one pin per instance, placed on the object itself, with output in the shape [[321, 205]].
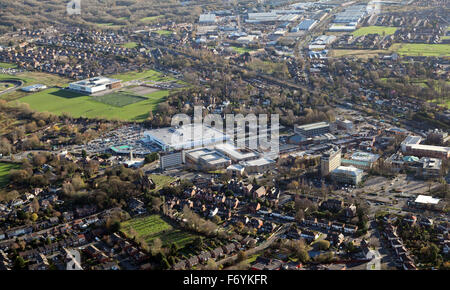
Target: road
[[259, 248], [17, 84], [375, 263]]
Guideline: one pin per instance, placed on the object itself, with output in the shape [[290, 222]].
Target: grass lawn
[[118, 99], [7, 65], [361, 53], [374, 30], [145, 75], [32, 78], [60, 101], [109, 25], [443, 104], [130, 45], [241, 50], [154, 226], [164, 32], [5, 168], [149, 19], [161, 180], [421, 49]]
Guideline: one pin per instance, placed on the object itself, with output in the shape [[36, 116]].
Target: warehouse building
[[184, 137], [34, 88], [314, 129], [260, 165], [306, 24], [235, 154], [262, 17], [207, 18], [206, 159], [95, 85]]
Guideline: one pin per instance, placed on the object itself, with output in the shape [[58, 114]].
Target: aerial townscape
[[133, 135]]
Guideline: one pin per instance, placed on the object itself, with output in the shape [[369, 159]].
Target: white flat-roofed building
[[247, 39], [213, 161], [346, 125], [431, 167], [206, 159], [314, 129], [426, 199], [340, 27], [410, 140], [185, 137], [94, 85], [262, 17], [207, 18], [235, 154], [34, 88], [258, 165], [236, 169], [347, 174], [366, 157], [322, 41]]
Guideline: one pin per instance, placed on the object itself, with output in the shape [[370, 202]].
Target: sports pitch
[[375, 30], [154, 226], [119, 99], [120, 107], [5, 168], [126, 104], [422, 49]]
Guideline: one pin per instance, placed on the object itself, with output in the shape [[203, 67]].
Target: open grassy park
[[380, 30], [154, 226], [5, 168], [161, 180], [31, 78], [130, 44], [421, 49], [7, 65], [149, 19], [120, 106], [241, 50], [124, 105], [403, 49], [150, 75], [164, 32]]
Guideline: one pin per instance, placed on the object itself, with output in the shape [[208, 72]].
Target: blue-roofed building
[[306, 24]]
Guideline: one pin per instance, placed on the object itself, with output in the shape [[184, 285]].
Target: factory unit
[[314, 129], [206, 159], [208, 18], [258, 166], [184, 137], [235, 154], [306, 24], [34, 88]]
